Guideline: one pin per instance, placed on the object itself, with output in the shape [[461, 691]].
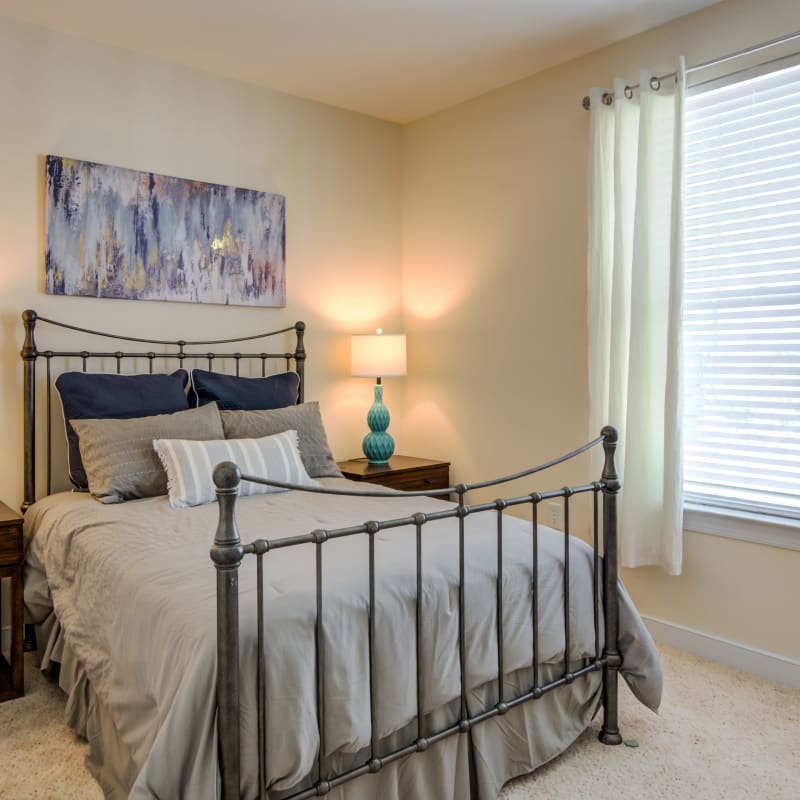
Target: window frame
[[734, 520], [745, 526]]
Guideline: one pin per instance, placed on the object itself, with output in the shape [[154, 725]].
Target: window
[[742, 293]]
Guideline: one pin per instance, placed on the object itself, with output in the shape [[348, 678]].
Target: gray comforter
[[133, 590]]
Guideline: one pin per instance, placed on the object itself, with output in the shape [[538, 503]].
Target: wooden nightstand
[[402, 472], [11, 567]]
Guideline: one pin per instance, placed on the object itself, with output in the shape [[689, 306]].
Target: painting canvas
[[114, 232]]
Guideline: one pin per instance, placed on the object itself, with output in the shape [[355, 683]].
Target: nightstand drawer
[[11, 678], [417, 480], [407, 473], [10, 546], [10, 539]]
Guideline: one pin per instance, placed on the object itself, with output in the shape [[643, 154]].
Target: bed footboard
[[228, 552]]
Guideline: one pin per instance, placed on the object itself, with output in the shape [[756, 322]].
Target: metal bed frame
[[228, 553]]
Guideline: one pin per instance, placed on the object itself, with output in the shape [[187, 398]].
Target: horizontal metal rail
[[118, 354], [174, 342], [460, 489]]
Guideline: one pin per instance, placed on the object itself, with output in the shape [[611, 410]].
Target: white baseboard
[[740, 656]]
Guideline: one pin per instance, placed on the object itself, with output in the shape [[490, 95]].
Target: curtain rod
[[655, 82]]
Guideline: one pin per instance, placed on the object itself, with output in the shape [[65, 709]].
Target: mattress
[[129, 594]]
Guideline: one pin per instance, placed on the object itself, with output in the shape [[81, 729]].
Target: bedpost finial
[[610, 475], [227, 476], [610, 434], [227, 550], [29, 317]]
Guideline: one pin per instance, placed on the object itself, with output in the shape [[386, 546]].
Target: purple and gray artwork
[[114, 232]]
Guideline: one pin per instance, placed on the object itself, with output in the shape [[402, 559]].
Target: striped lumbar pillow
[[189, 465]]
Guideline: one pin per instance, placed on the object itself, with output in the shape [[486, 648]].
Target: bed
[[358, 644]]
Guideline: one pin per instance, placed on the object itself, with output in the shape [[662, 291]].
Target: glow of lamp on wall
[[378, 355]]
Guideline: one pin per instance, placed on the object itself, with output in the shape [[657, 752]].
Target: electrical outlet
[[556, 512]]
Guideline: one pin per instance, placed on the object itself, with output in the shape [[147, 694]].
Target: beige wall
[[340, 173], [494, 287], [491, 200]]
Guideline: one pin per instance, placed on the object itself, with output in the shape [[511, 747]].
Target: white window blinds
[[742, 294]]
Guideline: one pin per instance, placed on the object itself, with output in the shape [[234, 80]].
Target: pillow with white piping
[[190, 464]]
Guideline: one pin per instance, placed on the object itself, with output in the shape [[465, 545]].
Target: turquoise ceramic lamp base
[[378, 445]]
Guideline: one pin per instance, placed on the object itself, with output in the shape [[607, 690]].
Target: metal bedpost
[[227, 553], [29, 354], [609, 734], [300, 358]]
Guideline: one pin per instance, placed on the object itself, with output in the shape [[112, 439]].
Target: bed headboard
[[193, 351]]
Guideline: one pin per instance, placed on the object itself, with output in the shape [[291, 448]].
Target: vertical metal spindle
[[319, 646], [263, 365], [462, 628], [535, 499], [373, 737], [567, 493], [150, 358], [596, 575], [238, 358], [84, 359], [118, 356], [499, 610], [210, 359], [261, 699], [49, 355], [419, 519]]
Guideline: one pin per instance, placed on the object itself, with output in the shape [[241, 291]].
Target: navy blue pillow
[[232, 393], [88, 395]]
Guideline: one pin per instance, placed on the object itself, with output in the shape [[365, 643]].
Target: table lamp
[[378, 355]]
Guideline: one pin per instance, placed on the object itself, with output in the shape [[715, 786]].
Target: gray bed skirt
[[474, 766]]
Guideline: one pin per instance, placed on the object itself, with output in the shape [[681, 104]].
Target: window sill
[[742, 525]]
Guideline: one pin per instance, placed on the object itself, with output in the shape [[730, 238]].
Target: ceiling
[[393, 59]]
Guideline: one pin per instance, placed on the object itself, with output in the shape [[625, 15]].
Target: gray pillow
[[304, 418], [118, 454]]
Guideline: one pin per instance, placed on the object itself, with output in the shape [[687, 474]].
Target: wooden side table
[[402, 472], [11, 681]]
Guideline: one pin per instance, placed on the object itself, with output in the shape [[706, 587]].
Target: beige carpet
[[720, 734]]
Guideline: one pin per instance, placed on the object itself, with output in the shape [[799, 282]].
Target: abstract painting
[[114, 232]]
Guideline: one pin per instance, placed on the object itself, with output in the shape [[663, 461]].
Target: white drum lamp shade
[[378, 355]]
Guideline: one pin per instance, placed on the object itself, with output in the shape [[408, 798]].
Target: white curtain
[[635, 290]]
